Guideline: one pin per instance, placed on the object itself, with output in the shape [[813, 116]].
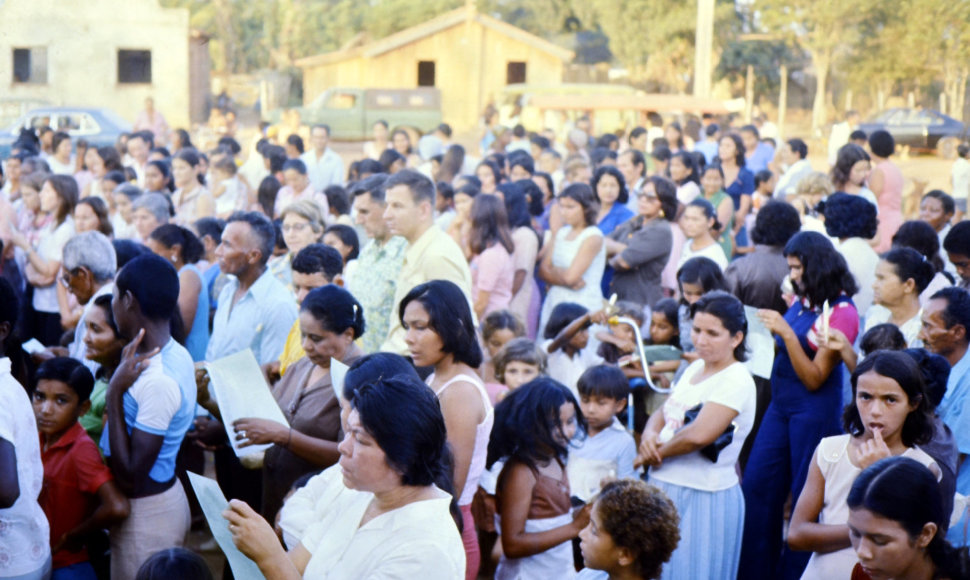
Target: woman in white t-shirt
[[388, 515], [686, 458], [25, 547], [58, 197], [697, 222], [901, 276]]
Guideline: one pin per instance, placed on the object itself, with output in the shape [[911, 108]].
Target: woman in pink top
[[886, 182], [493, 270]]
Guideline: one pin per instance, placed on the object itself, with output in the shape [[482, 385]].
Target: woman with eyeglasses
[[639, 249], [302, 226]]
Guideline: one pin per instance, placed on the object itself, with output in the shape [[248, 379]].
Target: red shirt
[[73, 474]]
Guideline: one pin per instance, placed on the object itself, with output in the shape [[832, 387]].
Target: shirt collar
[[422, 243], [69, 437]]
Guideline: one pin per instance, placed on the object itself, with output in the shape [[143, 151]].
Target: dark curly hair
[[640, 518], [849, 216], [775, 224]]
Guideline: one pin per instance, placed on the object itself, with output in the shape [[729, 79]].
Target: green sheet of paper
[[213, 504]]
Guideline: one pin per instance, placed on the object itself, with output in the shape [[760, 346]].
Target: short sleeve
[[491, 262], [648, 244], [844, 318], [92, 473], [6, 416], [526, 249], [626, 457], [158, 402], [424, 559], [735, 389]]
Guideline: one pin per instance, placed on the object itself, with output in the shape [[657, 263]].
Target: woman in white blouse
[[58, 197], [390, 512]]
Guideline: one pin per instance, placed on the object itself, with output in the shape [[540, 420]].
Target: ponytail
[[950, 561]]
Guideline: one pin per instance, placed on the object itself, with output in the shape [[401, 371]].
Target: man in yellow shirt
[[314, 266], [431, 253]]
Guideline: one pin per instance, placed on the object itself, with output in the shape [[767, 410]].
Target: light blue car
[[98, 127]]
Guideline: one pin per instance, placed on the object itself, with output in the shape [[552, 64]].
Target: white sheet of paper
[[338, 372], [761, 345], [213, 504], [33, 346], [586, 476], [241, 391]]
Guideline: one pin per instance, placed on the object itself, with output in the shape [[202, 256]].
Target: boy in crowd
[[79, 496], [603, 391]]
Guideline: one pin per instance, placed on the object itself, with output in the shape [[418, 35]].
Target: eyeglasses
[[647, 196], [298, 227]]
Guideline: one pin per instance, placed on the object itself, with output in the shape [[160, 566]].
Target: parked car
[[920, 129], [96, 126], [351, 113]]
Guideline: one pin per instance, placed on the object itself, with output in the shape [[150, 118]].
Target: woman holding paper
[[387, 511], [806, 399], [330, 321]]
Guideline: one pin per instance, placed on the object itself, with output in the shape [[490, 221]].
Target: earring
[[174, 257]]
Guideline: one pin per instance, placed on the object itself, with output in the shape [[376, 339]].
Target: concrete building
[[104, 53], [469, 56]]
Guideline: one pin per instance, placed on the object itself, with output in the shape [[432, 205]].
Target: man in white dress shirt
[[324, 166]]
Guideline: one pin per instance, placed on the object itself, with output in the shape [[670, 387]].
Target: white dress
[[832, 458], [563, 255], [24, 533]]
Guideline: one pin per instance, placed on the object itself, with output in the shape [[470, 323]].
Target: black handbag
[[712, 450]]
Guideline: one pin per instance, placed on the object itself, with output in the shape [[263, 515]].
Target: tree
[[826, 29]]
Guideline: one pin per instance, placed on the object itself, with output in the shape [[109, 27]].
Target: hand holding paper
[[240, 388]]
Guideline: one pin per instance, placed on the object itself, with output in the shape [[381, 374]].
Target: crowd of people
[[501, 415]]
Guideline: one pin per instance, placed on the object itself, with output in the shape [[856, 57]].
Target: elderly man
[[431, 253], [379, 263], [946, 320], [256, 311], [88, 269]]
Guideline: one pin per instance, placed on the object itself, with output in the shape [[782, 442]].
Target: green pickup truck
[[351, 113]]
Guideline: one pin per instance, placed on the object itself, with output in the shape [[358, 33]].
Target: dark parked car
[[96, 126], [920, 129]]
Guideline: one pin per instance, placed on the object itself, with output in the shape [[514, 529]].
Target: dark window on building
[[426, 73], [515, 73], [30, 65], [134, 66]]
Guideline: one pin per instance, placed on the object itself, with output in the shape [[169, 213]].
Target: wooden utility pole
[[782, 101], [703, 48], [748, 94]]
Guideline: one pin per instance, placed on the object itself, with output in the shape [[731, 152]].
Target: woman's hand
[[649, 452], [834, 340], [251, 533], [251, 431], [16, 237], [775, 322], [873, 450], [581, 518], [131, 367]]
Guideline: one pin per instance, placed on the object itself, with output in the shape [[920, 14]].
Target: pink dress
[[890, 204], [493, 271]]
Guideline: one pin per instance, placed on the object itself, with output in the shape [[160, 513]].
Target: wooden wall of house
[[471, 63]]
